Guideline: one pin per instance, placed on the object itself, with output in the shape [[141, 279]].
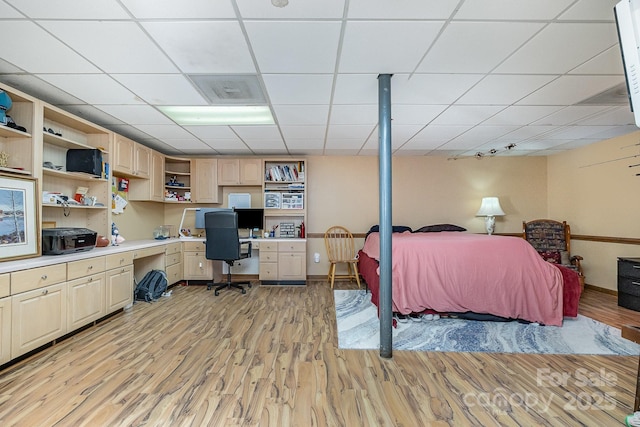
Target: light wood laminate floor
[[270, 358]]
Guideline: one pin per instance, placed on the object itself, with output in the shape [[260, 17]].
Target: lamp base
[[490, 223]]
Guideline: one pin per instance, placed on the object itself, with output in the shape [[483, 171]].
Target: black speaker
[[85, 160]]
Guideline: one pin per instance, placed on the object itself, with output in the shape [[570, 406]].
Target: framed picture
[[19, 228]]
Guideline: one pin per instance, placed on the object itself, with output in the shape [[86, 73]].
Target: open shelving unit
[[179, 170]]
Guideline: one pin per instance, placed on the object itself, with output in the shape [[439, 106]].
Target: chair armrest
[[249, 248]]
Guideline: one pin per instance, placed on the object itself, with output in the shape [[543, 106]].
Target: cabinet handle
[[91, 267], [90, 279], [121, 260], [43, 277], [46, 291]]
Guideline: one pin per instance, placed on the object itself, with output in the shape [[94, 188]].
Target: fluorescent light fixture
[[219, 115]]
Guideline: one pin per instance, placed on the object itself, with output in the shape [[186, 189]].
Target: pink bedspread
[[460, 272]]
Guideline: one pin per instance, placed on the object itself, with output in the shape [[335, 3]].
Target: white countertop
[[45, 260]]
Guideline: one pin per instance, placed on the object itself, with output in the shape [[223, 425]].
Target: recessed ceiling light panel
[[219, 115]]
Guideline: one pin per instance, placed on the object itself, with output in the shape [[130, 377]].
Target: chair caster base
[[216, 293], [244, 291]]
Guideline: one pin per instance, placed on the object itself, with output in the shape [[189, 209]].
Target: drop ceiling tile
[[400, 134], [98, 41], [512, 9], [294, 47], [526, 133], [466, 115], [361, 132], [162, 89], [261, 145], [225, 50], [166, 133], [374, 45], [301, 114], [421, 144], [403, 114], [607, 62], [298, 88], [158, 145], [542, 144], [226, 144], [185, 9], [614, 116], [477, 136], [503, 89], [92, 88], [344, 144], [9, 68], [568, 90], [69, 9], [354, 115], [93, 114], [212, 132], [129, 131], [303, 132], [407, 9], [258, 132], [591, 10], [7, 11], [358, 88], [571, 114], [325, 9], [559, 48], [438, 134], [51, 55], [136, 114], [431, 88], [305, 144], [476, 47], [578, 132], [520, 115], [40, 89], [185, 143]]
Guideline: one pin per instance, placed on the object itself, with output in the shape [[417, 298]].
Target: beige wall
[[597, 193]]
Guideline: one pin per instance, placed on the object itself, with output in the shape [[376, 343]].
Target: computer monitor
[[200, 215], [251, 219]]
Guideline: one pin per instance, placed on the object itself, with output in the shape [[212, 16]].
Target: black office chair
[[223, 244]]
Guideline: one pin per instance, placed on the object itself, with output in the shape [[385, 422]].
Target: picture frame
[[19, 225]]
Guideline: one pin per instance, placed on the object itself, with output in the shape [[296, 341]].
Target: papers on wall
[[239, 200]]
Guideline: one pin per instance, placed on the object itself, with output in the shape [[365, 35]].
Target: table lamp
[[490, 209]]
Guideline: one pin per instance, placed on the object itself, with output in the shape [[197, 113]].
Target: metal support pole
[[384, 136]]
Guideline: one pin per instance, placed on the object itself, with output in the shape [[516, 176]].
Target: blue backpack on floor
[[151, 287]]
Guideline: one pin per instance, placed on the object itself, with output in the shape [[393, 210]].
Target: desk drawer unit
[[28, 280], [85, 267], [119, 260], [629, 283]]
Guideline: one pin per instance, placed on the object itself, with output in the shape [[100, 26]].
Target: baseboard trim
[[599, 289]]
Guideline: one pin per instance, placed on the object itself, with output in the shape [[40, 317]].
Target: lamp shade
[[490, 207]]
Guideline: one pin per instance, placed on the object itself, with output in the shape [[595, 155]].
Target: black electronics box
[[85, 160], [65, 240]]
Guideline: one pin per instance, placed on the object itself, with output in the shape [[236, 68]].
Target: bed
[[458, 273]]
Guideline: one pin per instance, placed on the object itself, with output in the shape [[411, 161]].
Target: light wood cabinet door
[[86, 300], [250, 171], [5, 330], [157, 177], [205, 187], [119, 288], [142, 163], [123, 155], [292, 266], [239, 172], [174, 273], [197, 266], [37, 318]]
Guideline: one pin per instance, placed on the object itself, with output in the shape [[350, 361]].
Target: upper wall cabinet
[[131, 158], [239, 172], [17, 142], [151, 189], [205, 187], [74, 157]]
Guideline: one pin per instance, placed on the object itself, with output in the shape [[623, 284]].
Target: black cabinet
[[629, 283]]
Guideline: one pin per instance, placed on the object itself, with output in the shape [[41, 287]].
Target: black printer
[[66, 240]]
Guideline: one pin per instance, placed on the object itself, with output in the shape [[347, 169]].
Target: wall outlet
[[316, 257]]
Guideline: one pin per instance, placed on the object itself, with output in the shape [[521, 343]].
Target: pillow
[[394, 229], [438, 227], [551, 256]]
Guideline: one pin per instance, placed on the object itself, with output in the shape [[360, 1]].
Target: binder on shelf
[[272, 200]]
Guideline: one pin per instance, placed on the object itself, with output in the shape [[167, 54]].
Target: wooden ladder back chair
[[341, 250]]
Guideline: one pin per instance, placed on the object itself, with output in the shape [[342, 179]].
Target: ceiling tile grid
[[469, 76]]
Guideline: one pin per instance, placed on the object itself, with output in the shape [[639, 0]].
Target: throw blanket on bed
[[460, 272]]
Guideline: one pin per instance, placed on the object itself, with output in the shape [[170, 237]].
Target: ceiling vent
[[230, 89], [616, 95]]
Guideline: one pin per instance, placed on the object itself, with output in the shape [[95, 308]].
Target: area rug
[[359, 328]]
